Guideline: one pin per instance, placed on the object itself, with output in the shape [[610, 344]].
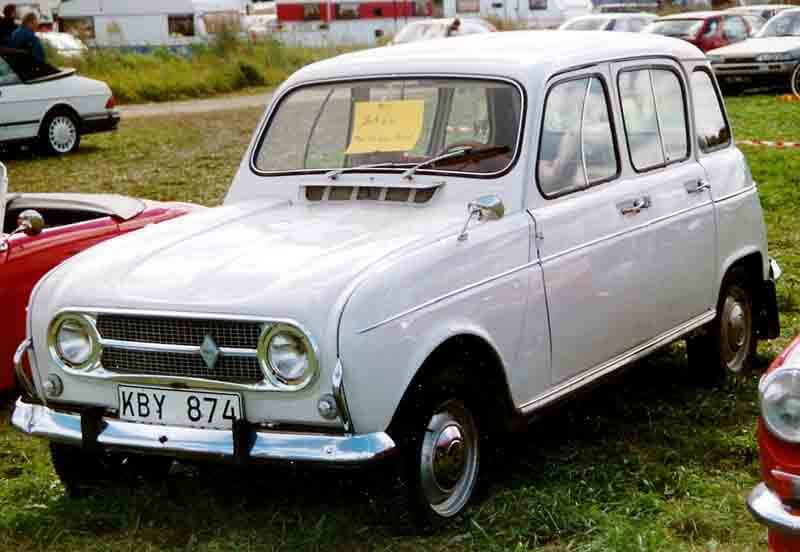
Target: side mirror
[[489, 207], [30, 222]]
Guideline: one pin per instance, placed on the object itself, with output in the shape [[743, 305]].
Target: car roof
[[612, 15], [523, 55], [691, 15]]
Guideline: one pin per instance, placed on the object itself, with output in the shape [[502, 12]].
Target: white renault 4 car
[[48, 106], [421, 246]]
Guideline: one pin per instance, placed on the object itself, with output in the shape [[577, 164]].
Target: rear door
[[679, 253]]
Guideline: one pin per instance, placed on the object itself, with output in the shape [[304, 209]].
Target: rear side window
[[654, 111], [577, 147], [712, 128]]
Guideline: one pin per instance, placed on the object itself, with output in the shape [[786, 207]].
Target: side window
[[7, 75], [712, 129], [653, 109], [577, 146], [469, 117], [734, 28], [711, 27]]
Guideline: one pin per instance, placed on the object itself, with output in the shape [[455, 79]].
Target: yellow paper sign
[[386, 126]]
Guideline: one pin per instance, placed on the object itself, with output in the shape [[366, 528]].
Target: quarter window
[[712, 129], [654, 112], [577, 146], [7, 75]]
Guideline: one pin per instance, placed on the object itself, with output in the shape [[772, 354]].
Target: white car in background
[[48, 106], [625, 22], [430, 29], [64, 44]]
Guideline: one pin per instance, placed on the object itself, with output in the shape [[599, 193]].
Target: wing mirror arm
[[29, 222], [489, 207]]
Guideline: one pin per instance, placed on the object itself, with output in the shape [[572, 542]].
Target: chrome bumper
[[252, 445], [768, 509]]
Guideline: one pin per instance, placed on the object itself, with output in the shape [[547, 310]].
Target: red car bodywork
[[780, 456], [28, 258], [712, 33]]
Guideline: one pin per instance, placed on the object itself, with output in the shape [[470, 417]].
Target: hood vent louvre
[[370, 193]]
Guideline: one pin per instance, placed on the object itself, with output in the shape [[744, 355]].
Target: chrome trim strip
[[750, 188], [768, 509], [341, 399], [41, 421], [638, 352], [167, 348], [19, 369], [447, 295]]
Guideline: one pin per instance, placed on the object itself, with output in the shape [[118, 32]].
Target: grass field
[[645, 462]]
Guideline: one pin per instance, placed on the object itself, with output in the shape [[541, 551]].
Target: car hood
[[260, 258], [755, 46]]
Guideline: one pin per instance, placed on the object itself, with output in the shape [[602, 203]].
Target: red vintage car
[[706, 30], [39, 231], [776, 501]]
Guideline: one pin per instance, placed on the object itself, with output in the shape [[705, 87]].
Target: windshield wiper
[[459, 152], [334, 174]]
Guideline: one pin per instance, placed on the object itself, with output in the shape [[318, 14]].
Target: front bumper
[[756, 69], [769, 510], [100, 122], [244, 443]]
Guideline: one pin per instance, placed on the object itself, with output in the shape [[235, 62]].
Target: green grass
[[226, 66], [645, 462], [764, 117]]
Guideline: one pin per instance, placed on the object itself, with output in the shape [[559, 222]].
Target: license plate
[[153, 405]]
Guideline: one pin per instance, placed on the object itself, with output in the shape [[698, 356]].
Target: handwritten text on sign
[[386, 126]]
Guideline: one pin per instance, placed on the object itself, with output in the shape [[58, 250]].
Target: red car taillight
[[111, 103]]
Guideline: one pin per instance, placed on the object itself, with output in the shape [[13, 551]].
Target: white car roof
[[523, 55]]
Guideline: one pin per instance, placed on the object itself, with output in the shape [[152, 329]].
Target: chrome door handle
[[635, 206], [697, 186]]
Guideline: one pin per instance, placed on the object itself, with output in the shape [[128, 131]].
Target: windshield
[[587, 24], [401, 122], [783, 24], [421, 31], [676, 27]]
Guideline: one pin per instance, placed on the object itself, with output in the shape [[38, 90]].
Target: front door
[[679, 255], [590, 230]]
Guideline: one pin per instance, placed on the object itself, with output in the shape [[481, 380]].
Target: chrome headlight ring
[[74, 342], [779, 394], [287, 356]]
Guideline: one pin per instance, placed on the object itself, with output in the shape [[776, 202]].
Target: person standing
[[24, 38], [8, 23]]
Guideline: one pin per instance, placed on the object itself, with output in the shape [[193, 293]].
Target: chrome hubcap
[[62, 133], [736, 330], [449, 459]]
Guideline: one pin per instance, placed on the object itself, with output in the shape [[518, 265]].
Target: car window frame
[[284, 94], [614, 136], [19, 79], [721, 104], [683, 85]]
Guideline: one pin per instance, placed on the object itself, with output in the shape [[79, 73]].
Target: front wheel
[[729, 343], [60, 133]]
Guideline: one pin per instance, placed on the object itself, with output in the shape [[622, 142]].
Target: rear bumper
[[769, 510], [100, 122], [244, 443]]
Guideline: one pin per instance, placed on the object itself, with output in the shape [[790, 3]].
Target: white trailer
[[148, 22], [534, 14]]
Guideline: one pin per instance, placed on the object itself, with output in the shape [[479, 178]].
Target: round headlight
[[288, 356], [780, 403], [74, 341]]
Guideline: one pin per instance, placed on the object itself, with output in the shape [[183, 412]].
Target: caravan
[[149, 22], [534, 14]]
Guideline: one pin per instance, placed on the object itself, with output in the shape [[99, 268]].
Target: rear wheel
[[81, 471], [728, 345], [60, 133]]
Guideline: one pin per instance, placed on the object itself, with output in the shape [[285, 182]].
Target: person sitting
[[8, 23], [24, 38]]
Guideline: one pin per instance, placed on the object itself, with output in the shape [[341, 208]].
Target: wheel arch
[[752, 261], [60, 106], [492, 381]]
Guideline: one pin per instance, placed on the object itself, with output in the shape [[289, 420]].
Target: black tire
[[728, 345], [441, 443], [60, 133], [795, 81], [81, 472]]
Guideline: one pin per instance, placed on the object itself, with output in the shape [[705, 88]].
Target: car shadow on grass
[[32, 153]]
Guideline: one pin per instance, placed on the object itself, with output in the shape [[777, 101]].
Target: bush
[[228, 64]]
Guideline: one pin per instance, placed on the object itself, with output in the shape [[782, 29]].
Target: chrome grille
[[228, 368], [170, 346], [179, 331]]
